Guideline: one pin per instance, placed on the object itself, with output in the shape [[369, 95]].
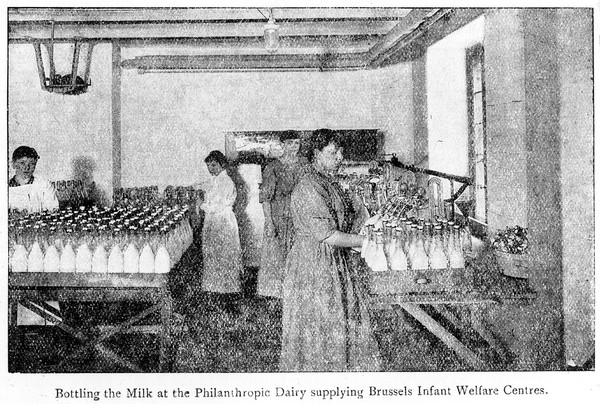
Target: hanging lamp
[[72, 82], [271, 34]]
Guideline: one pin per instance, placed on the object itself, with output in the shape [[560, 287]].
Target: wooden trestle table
[[34, 290], [457, 318]]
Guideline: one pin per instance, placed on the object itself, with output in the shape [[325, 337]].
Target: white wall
[[505, 119], [393, 109], [186, 114], [62, 128]]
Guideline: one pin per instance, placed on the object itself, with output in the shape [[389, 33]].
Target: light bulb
[[271, 35]]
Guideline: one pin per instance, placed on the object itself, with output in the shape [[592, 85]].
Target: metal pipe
[[466, 180]]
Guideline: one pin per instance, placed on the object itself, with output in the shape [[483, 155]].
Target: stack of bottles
[[404, 244], [137, 196], [122, 239], [73, 192]]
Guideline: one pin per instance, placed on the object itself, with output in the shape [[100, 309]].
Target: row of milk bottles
[[122, 250], [405, 245]]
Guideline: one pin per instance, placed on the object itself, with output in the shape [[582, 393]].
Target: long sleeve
[[310, 210], [220, 195]]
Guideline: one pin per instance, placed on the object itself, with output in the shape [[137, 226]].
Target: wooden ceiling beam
[[193, 30], [402, 29], [250, 45], [170, 63], [440, 25], [361, 41], [201, 14]]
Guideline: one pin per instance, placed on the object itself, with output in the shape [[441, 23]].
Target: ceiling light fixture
[[271, 34], [70, 83]]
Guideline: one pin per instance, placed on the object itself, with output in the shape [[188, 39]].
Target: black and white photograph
[[277, 202]]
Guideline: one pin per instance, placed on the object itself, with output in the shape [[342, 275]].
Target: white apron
[[221, 250]]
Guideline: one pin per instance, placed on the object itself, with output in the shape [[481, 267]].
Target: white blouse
[[220, 194], [35, 197]]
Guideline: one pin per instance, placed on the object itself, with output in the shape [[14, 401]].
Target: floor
[[213, 340]]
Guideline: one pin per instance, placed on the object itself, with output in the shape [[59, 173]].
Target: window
[[477, 136]]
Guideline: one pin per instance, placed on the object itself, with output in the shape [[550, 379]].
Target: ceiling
[[232, 38]]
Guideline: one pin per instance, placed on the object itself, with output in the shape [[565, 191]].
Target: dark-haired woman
[[221, 251], [326, 323]]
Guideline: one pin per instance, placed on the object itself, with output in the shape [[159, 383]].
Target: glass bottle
[[20, 256], [390, 242], [411, 243], [146, 263], [162, 261], [67, 256], [455, 253], [398, 259], [371, 246], [100, 257], [83, 255], [35, 262], [419, 260], [378, 259], [115, 257], [59, 236], [52, 256], [131, 255], [437, 256]]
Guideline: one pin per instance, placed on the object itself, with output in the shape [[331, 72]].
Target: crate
[[402, 282]]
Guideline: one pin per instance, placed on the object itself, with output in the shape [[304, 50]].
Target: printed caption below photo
[[349, 393]]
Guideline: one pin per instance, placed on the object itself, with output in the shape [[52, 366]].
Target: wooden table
[[34, 290], [456, 318]]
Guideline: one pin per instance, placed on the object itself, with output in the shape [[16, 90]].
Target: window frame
[[476, 55]]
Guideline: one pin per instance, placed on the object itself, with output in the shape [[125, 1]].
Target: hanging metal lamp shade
[[74, 82]]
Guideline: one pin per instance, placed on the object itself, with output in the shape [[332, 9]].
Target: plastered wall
[[187, 114], [72, 134], [577, 181]]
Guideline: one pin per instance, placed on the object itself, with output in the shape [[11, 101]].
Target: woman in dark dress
[[279, 179], [326, 322]]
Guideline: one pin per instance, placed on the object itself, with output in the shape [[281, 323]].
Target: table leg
[[450, 316], [109, 331], [166, 314], [39, 308], [478, 324], [445, 336]]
